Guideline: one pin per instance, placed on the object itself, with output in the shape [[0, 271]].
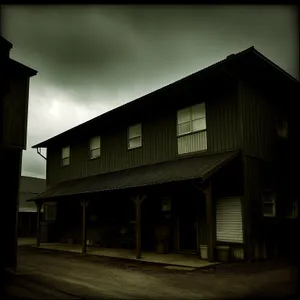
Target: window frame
[[46, 211], [273, 202], [282, 127], [90, 148], [294, 210], [131, 138], [190, 108], [67, 157]]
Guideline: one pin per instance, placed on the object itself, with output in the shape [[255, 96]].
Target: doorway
[[187, 227]]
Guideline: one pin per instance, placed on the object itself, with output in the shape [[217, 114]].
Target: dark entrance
[[187, 223]]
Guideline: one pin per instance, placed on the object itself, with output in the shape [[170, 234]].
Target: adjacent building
[[14, 91], [198, 166], [29, 187]]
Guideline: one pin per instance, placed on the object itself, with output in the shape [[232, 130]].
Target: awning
[[201, 167]]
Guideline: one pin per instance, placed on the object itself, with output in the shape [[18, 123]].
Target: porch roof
[[201, 167]]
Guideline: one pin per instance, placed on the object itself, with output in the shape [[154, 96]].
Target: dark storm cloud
[[93, 58], [103, 46]]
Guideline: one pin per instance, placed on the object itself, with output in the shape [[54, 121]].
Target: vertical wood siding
[[259, 113], [159, 139], [222, 120], [194, 142]]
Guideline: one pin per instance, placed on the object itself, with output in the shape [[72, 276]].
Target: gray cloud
[[93, 58]]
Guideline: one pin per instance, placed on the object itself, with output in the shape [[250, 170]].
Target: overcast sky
[[92, 59]]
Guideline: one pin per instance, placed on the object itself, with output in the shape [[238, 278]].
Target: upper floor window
[[269, 203], [191, 119], [65, 156], [135, 136], [95, 147]]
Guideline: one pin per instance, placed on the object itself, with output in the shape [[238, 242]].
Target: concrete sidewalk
[[173, 259]]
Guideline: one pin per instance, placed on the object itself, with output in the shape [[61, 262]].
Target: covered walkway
[[138, 182]]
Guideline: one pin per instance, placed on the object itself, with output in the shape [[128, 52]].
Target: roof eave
[[29, 71], [289, 76], [46, 143]]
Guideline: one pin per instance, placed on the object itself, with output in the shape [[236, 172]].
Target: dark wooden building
[[196, 166], [29, 188], [14, 89]]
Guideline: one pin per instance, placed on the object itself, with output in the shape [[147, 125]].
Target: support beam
[[38, 223], [211, 223], [138, 201], [84, 204]]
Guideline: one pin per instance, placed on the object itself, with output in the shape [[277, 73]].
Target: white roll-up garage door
[[229, 220]]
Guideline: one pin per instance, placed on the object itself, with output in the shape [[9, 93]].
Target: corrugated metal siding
[[259, 114], [229, 220], [192, 142]]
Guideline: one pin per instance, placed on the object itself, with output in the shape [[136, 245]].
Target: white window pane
[[184, 128], [66, 161], [198, 111], [65, 152], [135, 142], [199, 124], [184, 115], [95, 153], [135, 131], [95, 142]]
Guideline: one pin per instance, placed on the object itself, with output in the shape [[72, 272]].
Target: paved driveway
[[45, 273]]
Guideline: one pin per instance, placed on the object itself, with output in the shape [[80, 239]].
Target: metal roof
[[32, 185], [244, 61], [15, 66], [201, 167]]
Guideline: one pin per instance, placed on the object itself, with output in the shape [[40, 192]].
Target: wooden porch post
[[84, 204], [138, 201], [211, 223], [38, 225]]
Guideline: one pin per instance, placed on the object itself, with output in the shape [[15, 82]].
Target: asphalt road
[[44, 274]]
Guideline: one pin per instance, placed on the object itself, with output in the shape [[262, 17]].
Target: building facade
[[192, 167], [14, 89], [29, 188]]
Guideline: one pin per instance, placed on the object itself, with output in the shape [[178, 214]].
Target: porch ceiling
[[201, 167]]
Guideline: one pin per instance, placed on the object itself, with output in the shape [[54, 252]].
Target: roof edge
[[31, 72], [230, 57], [233, 153], [285, 73]]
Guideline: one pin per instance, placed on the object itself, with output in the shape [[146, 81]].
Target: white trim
[[65, 156], [192, 113], [134, 136], [95, 145], [269, 202]]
